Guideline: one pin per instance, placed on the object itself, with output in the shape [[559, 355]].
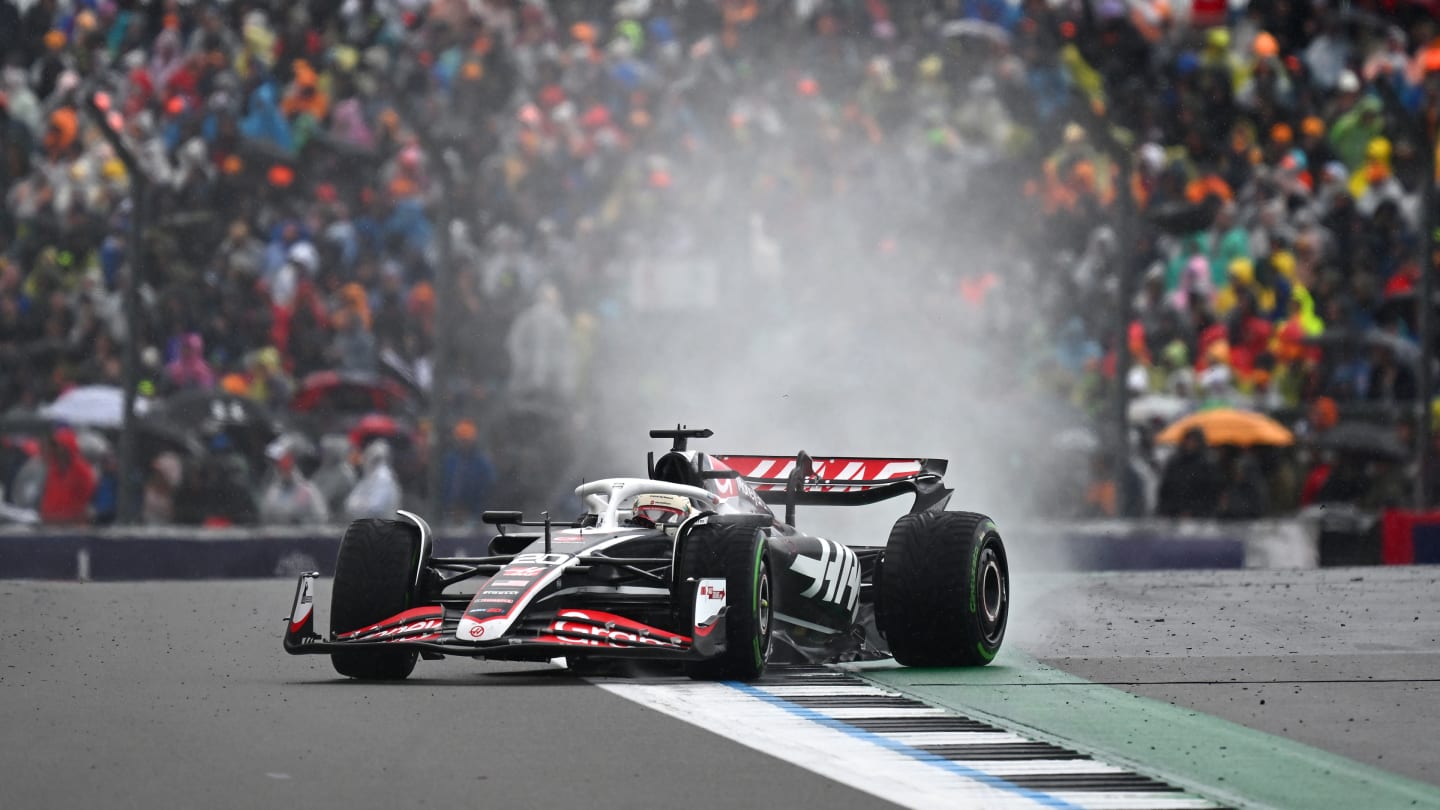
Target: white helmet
[[661, 510]]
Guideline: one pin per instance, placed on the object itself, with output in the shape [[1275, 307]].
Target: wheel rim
[[994, 595], [762, 613]]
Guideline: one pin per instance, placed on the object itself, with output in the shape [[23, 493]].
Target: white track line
[[891, 765], [826, 691], [927, 738], [1137, 800], [1034, 767], [853, 760], [879, 712]]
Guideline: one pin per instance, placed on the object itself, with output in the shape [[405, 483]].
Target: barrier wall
[[1410, 537], [174, 553], [180, 553], [1134, 545]]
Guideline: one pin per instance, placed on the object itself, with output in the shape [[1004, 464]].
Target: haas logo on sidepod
[[835, 577]]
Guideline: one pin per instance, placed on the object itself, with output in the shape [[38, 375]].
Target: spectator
[[69, 481], [158, 499], [268, 383], [1387, 487], [290, 499], [1243, 492], [1190, 483], [467, 476], [28, 485], [335, 477], [541, 355], [1340, 480], [376, 494], [301, 264], [215, 492], [1389, 380], [190, 370], [105, 504], [354, 346]]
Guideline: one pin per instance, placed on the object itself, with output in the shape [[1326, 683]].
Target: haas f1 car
[[689, 564]]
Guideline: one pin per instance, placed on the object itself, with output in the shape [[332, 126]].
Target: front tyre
[[374, 580], [738, 555], [944, 590]]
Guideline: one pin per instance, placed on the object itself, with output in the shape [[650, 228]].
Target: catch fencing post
[[1425, 324], [98, 107]]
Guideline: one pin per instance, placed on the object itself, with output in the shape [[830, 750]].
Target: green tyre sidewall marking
[[759, 569], [982, 533], [982, 530]]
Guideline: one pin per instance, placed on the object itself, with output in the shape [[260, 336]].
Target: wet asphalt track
[[1344, 659], [157, 695], [177, 695]]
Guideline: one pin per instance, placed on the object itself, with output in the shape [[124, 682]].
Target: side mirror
[[499, 517]]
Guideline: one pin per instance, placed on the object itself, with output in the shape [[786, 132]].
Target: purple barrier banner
[[180, 553], [169, 553], [1155, 544]]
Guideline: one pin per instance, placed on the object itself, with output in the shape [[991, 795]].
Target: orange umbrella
[[1229, 426]]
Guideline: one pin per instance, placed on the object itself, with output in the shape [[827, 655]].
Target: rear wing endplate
[[803, 480]]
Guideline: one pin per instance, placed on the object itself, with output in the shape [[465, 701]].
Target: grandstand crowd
[[603, 159]]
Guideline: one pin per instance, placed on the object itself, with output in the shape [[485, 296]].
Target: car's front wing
[[432, 629]]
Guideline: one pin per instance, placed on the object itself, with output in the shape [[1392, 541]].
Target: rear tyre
[[944, 590], [374, 580], [738, 554]]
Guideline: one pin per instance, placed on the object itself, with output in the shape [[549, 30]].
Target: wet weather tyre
[[739, 555], [944, 590], [374, 580]]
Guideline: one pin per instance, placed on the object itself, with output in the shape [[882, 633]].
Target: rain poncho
[[69, 481], [335, 478], [377, 495], [1194, 283], [291, 500], [347, 123], [1352, 132], [540, 348], [1303, 311], [265, 122], [190, 370]]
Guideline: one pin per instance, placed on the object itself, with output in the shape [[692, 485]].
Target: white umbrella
[[100, 406], [1164, 408], [979, 29]]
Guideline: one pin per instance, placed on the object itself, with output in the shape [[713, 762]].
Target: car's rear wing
[[839, 480]]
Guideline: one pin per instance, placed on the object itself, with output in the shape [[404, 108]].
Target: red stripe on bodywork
[[426, 637], [831, 474], [403, 631], [630, 625], [614, 630], [411, 615], [591, 641]]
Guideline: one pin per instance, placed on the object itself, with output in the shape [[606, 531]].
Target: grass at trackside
[[1213, 757]]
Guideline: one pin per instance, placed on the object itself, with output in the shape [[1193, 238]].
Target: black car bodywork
[[609, 586]]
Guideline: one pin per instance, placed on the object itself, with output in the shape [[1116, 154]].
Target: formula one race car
[[689, 564]]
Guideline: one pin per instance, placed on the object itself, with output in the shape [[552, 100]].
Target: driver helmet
[[661, 510]]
